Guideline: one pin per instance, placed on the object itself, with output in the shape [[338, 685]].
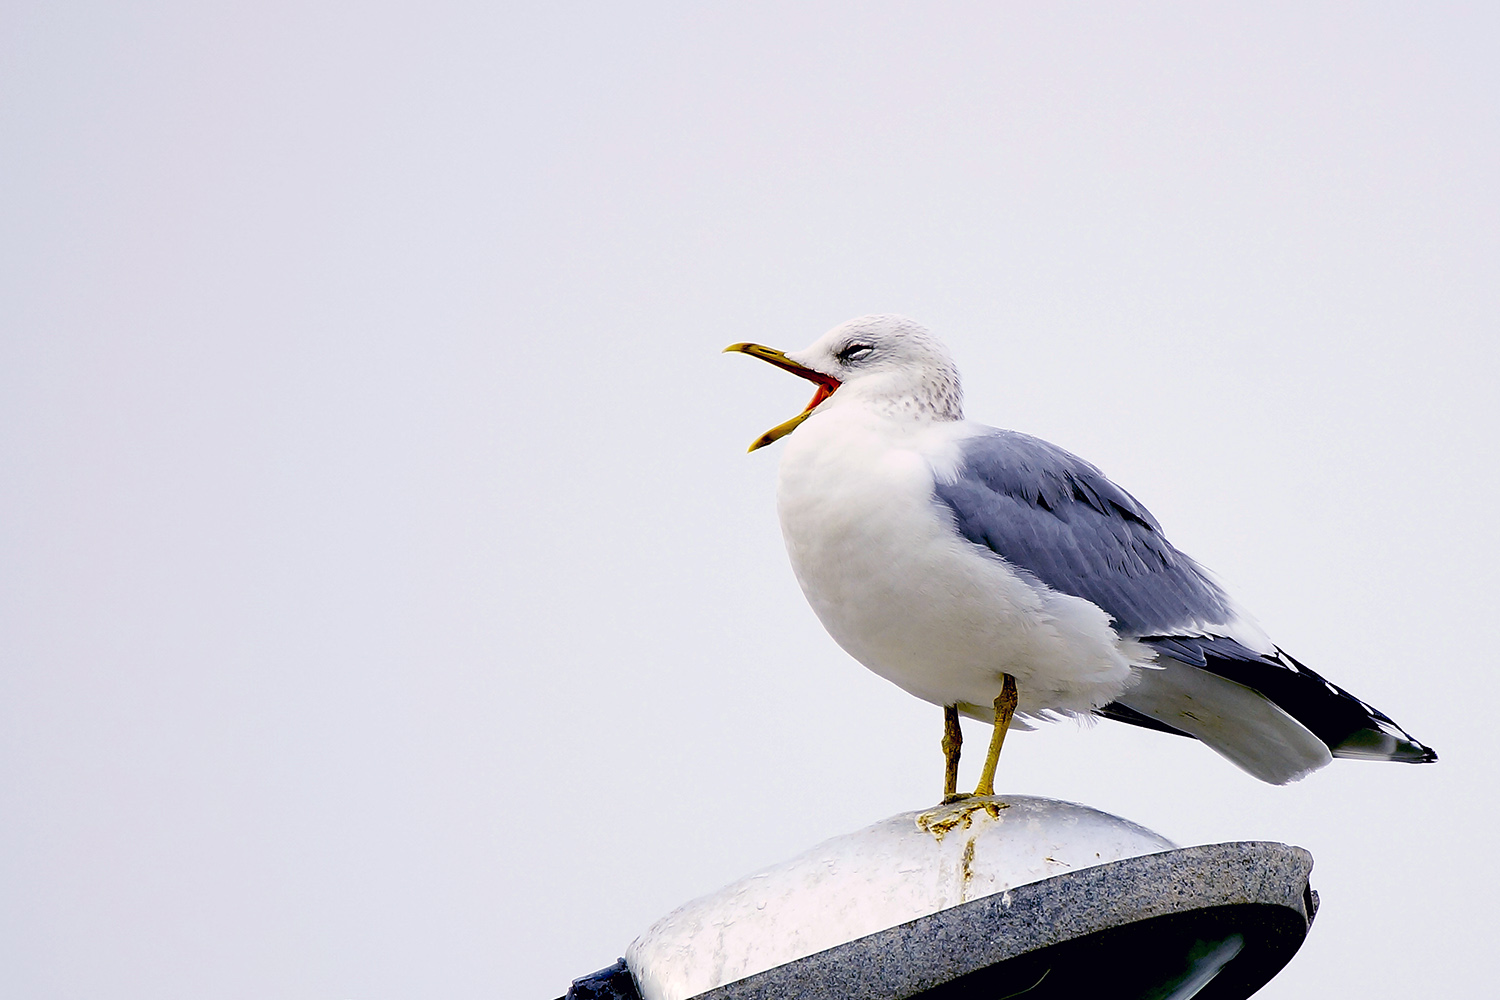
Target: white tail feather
[[1238, 722]]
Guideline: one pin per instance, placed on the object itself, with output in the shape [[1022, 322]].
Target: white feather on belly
[[910, 598]]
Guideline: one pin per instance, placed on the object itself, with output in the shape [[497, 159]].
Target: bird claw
[[941, 820]]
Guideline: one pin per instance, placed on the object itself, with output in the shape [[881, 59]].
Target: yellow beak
[[826, 385]]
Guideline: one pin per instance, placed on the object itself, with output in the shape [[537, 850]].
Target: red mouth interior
[[826, 385]]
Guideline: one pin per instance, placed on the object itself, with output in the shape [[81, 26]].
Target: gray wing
[[1054, 516]]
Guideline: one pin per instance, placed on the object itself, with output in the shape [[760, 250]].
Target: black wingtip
[[1349, 727], [1386, 741]]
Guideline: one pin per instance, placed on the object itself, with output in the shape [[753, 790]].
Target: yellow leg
[[1005, 707], [953, 741]]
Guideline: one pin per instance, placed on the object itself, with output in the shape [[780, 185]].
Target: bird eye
[[856, 352]]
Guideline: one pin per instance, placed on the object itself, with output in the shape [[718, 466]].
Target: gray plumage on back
[[1049, 513]]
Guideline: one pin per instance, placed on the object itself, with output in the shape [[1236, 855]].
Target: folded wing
[[1056, 519]]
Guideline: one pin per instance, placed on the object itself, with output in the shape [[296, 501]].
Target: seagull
[[1005, 579]]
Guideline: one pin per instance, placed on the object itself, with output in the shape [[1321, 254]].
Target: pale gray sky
[[388, 608]]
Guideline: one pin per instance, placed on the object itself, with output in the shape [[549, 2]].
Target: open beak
[[826, 385]]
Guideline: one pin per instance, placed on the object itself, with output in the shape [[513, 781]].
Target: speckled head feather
[[891, 362]]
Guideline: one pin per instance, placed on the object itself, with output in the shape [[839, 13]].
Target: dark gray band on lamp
[[1217, 921]]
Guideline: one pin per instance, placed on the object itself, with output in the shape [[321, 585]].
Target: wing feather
[[1058, 520], [1056, 517]]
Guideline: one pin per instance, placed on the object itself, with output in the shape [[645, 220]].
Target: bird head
[[890, 363]]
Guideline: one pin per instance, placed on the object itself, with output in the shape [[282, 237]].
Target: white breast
[[906, 595]]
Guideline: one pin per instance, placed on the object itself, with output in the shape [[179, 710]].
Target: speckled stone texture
[[1259, 887]]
